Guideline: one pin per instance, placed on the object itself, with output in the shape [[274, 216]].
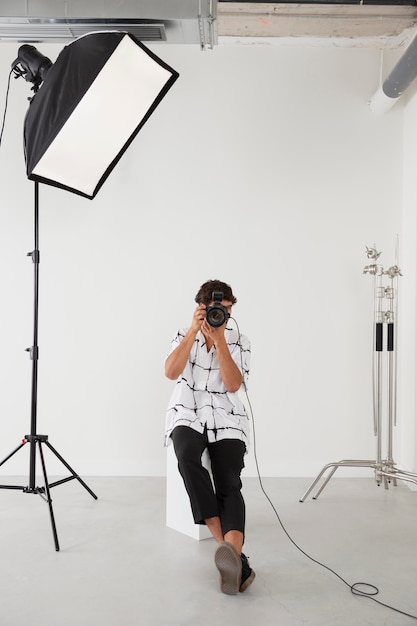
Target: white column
[[407, 414]]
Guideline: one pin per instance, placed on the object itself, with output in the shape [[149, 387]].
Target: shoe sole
[[229, 564]]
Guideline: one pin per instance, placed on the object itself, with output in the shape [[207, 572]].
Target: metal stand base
[[385, 471], [44, 492]]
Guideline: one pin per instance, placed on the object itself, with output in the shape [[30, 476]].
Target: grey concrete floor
[[119, 565]]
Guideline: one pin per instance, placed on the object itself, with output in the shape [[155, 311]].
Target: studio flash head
[[217, 314]]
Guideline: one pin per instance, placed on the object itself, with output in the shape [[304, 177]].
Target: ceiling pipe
[[397, 82]]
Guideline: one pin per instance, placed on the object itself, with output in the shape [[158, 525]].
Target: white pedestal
[[178, 509]]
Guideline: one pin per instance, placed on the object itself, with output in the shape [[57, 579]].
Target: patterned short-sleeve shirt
[[200, 399]]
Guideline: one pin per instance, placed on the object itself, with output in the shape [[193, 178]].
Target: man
[[210, 364]]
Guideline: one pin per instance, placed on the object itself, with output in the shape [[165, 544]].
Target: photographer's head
[[217, 298], [205, 293]]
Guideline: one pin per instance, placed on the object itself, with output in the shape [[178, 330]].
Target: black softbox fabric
[[95, 99]]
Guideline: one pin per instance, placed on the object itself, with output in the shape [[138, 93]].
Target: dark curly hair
[[205, 293]]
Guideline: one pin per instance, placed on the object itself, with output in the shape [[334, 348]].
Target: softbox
[[94, 100]]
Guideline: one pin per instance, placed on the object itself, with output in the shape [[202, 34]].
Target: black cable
[[5, 105], [355, 587]]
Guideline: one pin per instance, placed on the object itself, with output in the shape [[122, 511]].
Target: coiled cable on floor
[[366, 590]]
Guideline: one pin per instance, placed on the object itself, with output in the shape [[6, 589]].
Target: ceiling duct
[[400, 78], [62, 21]]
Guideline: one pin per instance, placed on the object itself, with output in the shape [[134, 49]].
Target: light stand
[[385, 469], [93, 102], [35, 440]]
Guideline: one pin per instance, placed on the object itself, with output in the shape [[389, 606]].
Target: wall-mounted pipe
[[397, 82]]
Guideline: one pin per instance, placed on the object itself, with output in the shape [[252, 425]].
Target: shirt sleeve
[[241, 352], [176, 341]]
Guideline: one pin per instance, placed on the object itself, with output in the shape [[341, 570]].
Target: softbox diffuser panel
[[95, 98]]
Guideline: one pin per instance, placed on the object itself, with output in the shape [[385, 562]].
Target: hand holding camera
[[198, 317]]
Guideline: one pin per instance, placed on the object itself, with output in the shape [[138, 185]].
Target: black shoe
[[248, 574]]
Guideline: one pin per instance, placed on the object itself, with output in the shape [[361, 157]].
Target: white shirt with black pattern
[[200, 398]]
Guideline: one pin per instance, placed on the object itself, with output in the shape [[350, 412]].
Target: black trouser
[[225, 499]]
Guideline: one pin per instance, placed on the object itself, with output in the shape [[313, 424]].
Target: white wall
[[264, 167]]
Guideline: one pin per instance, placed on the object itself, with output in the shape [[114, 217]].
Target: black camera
[[217, 314]]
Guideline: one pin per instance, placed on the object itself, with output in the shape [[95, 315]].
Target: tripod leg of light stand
[[9, 456], [73, 476], [48, 496]]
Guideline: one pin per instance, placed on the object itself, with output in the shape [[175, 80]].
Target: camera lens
[[216, 315]]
